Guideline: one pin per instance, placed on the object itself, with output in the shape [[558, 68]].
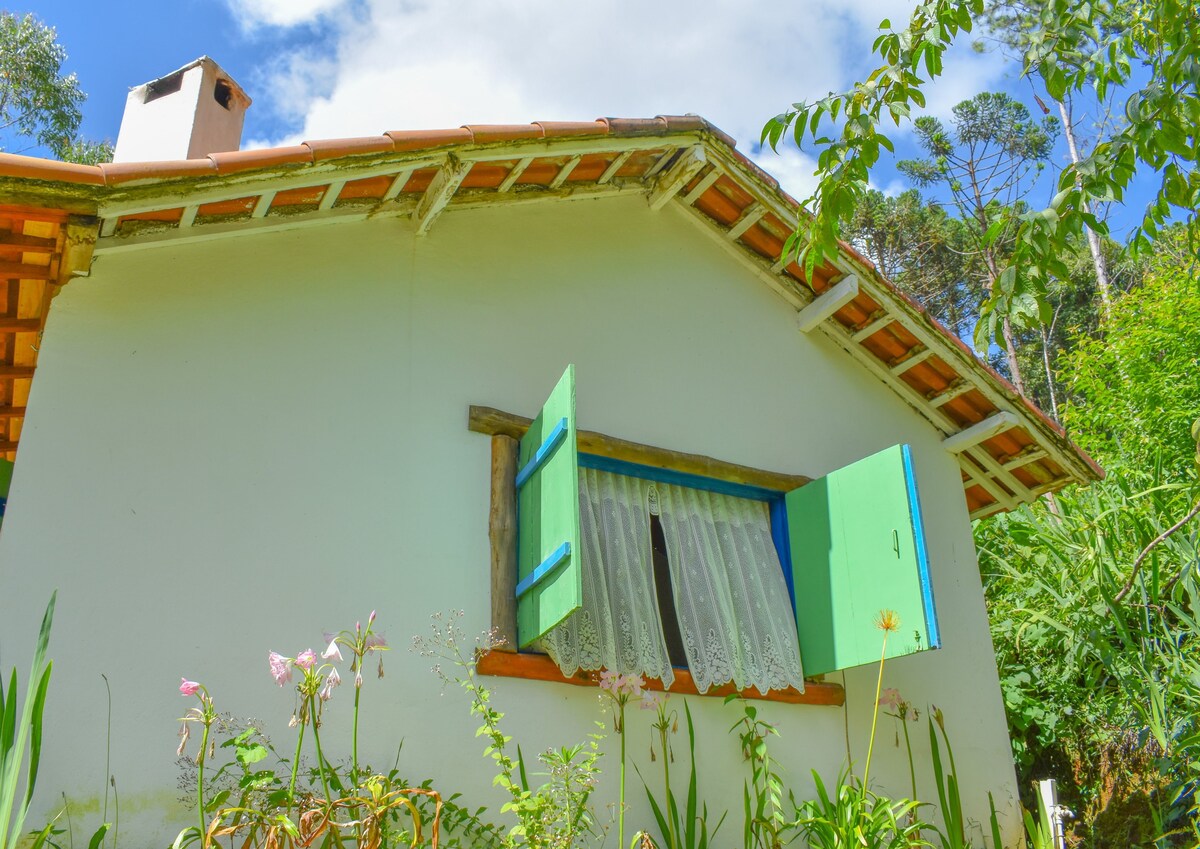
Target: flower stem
[[621, 809], [354, 738], [295, 766], [912, 773], [200, 775], [875, 712], [672, 838], [312, 712]]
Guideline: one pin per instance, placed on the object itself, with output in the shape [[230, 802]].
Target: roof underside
[[1007, 450]]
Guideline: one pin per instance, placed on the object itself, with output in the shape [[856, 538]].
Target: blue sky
[[328, 68]]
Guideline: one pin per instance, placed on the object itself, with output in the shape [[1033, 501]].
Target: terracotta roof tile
[[230, 162], [484, 133], [323, 149], [555, 129], [687, 124], [32, 168], [636, 126], [117, 173], [404, 140]]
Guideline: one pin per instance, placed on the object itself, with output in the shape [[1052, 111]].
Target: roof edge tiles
[[366, 162]]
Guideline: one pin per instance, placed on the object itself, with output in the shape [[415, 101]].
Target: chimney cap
[[207, 62]]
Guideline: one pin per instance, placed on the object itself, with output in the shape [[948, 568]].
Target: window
[[666, 566], [848, 545]]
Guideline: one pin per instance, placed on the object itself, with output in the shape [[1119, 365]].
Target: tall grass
[[16, 731]]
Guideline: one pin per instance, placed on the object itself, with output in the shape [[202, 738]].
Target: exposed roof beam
[[263, 205], [955, 389], [514, 174], [441, 190], [330, 196], [978, 432], [397, 185], [1025, 457], [918, 354], [828, 302], [615, 166], [19, 243], [749, 217], [20, 325], [990, 486], [11, 412], [660, 164], [872, 327], [565, 171], [679, 175], [21, 271], [188, 217], [981, 455], [706, 183], [12, 372]]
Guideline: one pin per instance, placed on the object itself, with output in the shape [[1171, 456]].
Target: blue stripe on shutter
[[544, 452], [918, 526], [545, 568]]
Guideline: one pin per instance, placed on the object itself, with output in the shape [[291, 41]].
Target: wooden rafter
[[565, 171], [828, 302], [439, 193], [676, 177], [512, 176]]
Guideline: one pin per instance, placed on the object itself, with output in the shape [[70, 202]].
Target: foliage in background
[[39, 104], [1137, 386], [19, 729], [1144, 52]]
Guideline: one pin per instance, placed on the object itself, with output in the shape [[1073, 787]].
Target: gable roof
[[1009, 452]]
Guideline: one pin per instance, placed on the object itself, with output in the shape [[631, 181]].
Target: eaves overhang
[[1007, 450]]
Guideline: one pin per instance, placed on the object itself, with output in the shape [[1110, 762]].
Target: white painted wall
[[232, 446]]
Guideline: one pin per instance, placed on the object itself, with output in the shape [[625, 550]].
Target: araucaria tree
[[39, 105], [984, 163]]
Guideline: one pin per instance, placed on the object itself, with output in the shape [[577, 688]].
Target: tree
[[924, 251], [39, 106], [984, 163], [1146, 51], [1014, 24]]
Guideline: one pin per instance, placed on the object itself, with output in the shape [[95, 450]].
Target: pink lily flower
[[307, 659], [189, 688], [332, 652], [281, 668]]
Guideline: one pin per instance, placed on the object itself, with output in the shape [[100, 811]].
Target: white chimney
[[187, 114]]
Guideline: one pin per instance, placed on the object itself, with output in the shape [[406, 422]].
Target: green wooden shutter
[[549, 580], [858, 547]]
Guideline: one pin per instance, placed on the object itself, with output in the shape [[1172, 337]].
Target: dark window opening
[[161, 88], [666, 595], [223, 94]]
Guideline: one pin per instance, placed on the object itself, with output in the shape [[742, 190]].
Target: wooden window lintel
[[499, 423]]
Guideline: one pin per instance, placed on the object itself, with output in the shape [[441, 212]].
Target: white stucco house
[[253, 395]]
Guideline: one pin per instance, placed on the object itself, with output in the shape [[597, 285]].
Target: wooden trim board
[[497, 422], [539, 667]]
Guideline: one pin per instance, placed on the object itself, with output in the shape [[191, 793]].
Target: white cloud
[[378, 65], [433, 64], [281, 13]]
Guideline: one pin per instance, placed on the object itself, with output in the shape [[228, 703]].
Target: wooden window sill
[[539, 667]]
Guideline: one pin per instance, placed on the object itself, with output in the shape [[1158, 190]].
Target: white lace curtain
[[618, 627], [730, 596]]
